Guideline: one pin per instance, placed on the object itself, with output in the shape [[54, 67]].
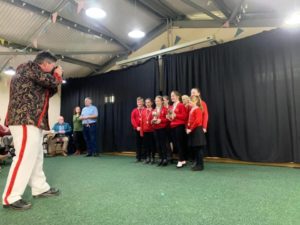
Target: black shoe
[[88, 155], [165, 162], [18, 205], [160, 163], [138, 161], [96, 154], [51, 192], [197, 168], [147, 161], [152, 161]]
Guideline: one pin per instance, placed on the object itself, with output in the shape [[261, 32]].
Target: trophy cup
[[170, 114], [155, 115]]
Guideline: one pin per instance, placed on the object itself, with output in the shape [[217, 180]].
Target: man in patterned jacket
[[27, 116]]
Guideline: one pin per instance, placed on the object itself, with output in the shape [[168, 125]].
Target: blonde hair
[[140, 99], [197, 100], [183, 97]]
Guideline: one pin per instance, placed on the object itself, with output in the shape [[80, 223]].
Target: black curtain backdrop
[[114, 128], [252, 90]]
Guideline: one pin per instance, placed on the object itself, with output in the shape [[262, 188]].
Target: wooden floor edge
[[223, 160]]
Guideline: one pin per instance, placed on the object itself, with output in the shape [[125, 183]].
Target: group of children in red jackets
[[182, 125]]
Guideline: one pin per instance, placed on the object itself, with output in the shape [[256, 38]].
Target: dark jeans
[[89, 134], [178, 134], [139, 146], [161, 140]]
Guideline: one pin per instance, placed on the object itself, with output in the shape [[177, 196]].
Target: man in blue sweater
[[59, 135]]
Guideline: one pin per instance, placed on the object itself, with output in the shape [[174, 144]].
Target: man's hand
[[138, 128], [58, 71]]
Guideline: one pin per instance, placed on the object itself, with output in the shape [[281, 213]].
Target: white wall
[[54, 104]]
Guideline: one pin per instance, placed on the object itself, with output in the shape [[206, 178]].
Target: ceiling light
[[95, 13], [136, 34], [9, 71], [293, 20]]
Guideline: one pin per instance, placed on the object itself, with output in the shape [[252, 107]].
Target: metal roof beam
[[222, 7], [235, 12], [151, 35], [207, 12], [64, 58], [161, 9], [92, 66], [66, 22], [275, 22], [148, 8]]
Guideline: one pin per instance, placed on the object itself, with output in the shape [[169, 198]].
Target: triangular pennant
[[2, 41], [226, 24], [54, 17], [35, 42], [162, 47], [80, 5], [177, 39], [238, 32]]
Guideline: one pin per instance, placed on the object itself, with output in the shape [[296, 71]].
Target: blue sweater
[[65, 127]]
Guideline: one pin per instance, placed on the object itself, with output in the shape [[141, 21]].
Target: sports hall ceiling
[[86, 46]]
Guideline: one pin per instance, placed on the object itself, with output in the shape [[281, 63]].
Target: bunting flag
[[238, 32], [163, 46], [35, 42], [177, 39], [2, 41], [54, 17], [226, 24], [80, 6]]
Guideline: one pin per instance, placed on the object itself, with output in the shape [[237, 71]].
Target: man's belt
[[89, 124]]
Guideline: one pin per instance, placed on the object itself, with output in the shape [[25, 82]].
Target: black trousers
[[149, 144], [78, 140], [161, 139], [178, 135], [139, 146], [199, 154]]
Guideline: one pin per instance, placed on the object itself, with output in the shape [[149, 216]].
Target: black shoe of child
[[160, 163], [165, 162], [197, 168]]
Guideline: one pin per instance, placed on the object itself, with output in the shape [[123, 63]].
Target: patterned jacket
[[30, 90]]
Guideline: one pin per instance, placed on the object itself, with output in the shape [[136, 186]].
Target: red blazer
[[162, 116], [136, 118], [204, 115], [146, 125], [188, 109], [198, 118], [181, 115]]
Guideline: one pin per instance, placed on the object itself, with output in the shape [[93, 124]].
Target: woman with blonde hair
[[177, 115], [196, 127], [159, 123]]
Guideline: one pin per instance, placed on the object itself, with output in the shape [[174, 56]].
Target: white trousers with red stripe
[[27, 165]]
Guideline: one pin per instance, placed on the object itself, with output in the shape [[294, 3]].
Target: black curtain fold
[[114, 128], [251, 88]]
